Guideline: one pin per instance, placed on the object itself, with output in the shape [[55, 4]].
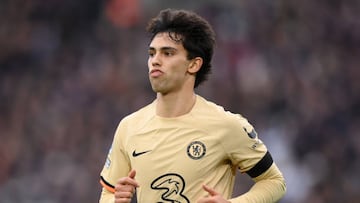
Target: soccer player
[[182, 148]]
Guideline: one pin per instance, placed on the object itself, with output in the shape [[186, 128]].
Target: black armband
[[263, 165]]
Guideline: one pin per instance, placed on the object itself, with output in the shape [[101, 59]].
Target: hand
[[213, 197], [125, 188]]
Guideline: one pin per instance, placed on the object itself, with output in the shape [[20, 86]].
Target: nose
[[155, 60]]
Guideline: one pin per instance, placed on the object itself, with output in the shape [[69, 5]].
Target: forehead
[[166, 39]]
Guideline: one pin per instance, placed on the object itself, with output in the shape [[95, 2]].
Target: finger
[[129, 180], [122, 200], [124, 188], [123, 195], [132, 174], [211, 191]]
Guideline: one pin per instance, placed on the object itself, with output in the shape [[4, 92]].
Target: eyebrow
[[163, 49]]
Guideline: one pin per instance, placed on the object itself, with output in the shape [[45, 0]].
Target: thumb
[[132, 174], [211, 191]]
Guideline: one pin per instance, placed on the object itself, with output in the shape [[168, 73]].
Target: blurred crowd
[[70, 70]]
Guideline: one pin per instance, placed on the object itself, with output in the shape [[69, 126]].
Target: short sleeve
[[244, 147], [117, 163]]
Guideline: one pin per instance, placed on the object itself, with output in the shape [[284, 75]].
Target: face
[[168, 64]]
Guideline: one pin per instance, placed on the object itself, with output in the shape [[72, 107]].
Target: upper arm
[[245, 149], [117, 163], [261, 166]]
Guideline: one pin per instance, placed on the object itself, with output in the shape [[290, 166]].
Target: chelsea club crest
[[196, 150]]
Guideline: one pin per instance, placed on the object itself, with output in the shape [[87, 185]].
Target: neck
[[174, 105]]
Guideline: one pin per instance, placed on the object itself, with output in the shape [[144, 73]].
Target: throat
[[175, 106]]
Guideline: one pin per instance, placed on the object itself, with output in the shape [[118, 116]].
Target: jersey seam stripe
[[107, 185]]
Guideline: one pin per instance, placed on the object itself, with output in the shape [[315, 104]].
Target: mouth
[[155, 73]]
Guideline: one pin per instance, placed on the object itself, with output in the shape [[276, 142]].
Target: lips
[[155, 73]]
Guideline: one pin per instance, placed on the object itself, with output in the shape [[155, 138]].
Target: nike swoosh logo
[[135, 154]]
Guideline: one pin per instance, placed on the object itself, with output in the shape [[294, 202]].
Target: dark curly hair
[[195, 33]]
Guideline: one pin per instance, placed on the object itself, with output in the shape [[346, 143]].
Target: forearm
[[269, 187], [106, 196]]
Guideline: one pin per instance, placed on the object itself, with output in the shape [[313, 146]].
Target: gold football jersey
[[174, 157]]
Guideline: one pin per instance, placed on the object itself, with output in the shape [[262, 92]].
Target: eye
[[168, 53], [151, 53]]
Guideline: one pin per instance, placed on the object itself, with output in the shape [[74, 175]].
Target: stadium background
[[70, 70]]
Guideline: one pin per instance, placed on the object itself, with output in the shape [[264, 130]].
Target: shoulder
[[139, 117], [216, 113], [215, 118]]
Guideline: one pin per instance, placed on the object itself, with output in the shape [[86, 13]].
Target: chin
[[159, 90], [156, 89]]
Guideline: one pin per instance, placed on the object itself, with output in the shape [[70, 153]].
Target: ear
[[195, 65]]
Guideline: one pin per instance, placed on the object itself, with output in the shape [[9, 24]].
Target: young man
[[182, 148]]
